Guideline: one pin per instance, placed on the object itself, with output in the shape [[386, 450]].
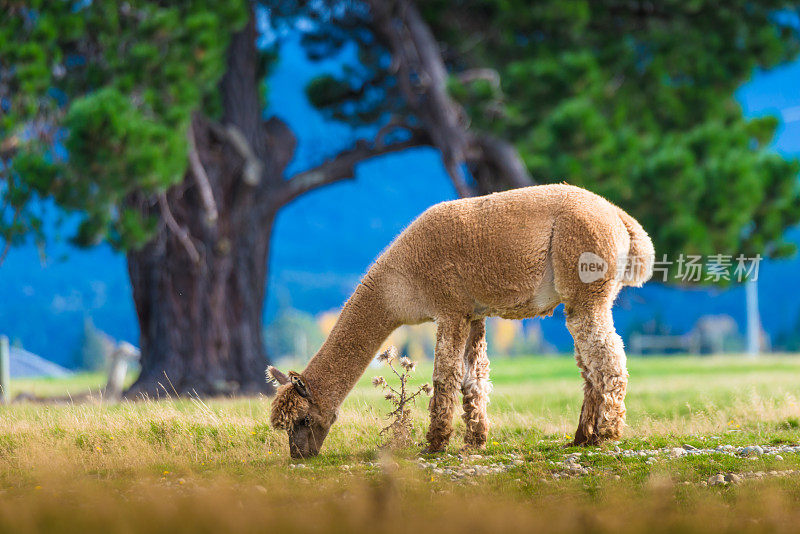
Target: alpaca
[[514, 254]]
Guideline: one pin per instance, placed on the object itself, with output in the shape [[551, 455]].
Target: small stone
[[616, 477], [733, 478], [778, 457], [753, 450], [678, 452], [688, 447], [717, 480]]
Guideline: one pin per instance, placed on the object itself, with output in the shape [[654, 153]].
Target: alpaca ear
[[277, 376], [300, 385]]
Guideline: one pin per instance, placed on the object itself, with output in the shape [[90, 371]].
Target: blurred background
[[686, 114]]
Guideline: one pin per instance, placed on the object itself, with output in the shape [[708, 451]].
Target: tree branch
[[395, 123], [342, 166], [490, 75], [7, 244], [252, 165], [200, 176], [506, 165], [181, 233], [422, 78]]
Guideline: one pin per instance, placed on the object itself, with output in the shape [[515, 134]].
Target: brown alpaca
[[514, 254]]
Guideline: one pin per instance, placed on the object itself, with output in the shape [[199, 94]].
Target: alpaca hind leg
[[476, 387], [601, 357], [448, 373], [589, 407]]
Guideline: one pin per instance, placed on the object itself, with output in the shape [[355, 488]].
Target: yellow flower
[[165, 473], [37, 488]]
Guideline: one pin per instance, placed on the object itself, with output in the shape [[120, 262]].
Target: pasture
[[169, 464]]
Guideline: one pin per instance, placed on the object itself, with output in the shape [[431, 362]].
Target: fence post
[[5, 362], [120, 359]]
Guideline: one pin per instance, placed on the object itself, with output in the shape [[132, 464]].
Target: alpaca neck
[[363, 325]]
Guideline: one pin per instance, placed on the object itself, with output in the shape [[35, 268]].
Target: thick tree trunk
[[199, 286], [201, 320]]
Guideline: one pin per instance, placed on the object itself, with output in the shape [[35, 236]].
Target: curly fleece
[[514, 254]]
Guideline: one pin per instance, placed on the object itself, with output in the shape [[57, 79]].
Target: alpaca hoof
[[473, 447], [591, 441], [431, 450], [583, 439]]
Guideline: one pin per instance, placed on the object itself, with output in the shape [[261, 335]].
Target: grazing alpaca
[[514, 254]]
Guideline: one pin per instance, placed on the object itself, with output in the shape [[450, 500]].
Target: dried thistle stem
[[399, 427]]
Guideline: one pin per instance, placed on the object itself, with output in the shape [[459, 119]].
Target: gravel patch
[[470, 464], [749, 451]]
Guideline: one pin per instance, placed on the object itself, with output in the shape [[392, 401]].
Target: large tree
[[146, 119], [633, 100]]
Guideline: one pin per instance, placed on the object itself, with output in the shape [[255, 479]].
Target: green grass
[[187, 464], [78, 383]]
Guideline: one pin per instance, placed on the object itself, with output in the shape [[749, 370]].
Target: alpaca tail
[[641, 254]]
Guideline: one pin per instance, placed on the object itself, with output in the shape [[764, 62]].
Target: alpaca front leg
[[448, 372], [476, 387], [601, 357]]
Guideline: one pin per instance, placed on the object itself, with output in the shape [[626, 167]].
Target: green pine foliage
[[95, 101]]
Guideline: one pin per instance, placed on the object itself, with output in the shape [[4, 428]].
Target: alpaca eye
[[307, 420]]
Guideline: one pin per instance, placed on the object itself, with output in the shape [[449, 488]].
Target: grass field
[[173, 464]]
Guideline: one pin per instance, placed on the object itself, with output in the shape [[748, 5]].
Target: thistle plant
[[399, 428]]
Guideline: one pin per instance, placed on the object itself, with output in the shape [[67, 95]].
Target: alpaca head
[[295, 410]]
